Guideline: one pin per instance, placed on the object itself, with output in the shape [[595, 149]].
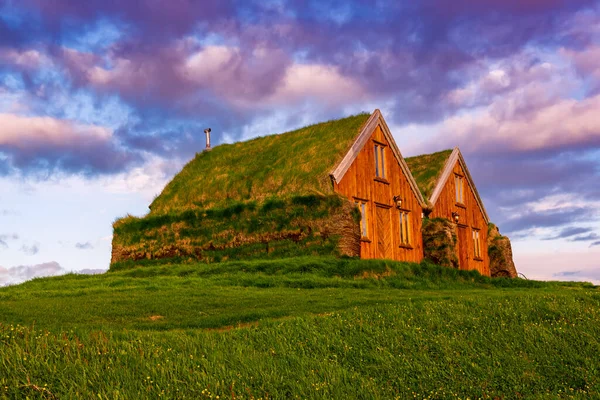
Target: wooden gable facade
[[374, 175], [455, 197]]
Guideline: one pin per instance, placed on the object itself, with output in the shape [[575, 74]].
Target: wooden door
[[463, 250], [384, 232]]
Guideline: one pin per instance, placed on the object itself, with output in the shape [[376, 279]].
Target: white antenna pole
[[207, 131]]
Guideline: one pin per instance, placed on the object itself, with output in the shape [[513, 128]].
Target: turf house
[[455, 211], [338, 188]]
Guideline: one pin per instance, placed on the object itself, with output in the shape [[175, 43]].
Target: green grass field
[[298, 328]]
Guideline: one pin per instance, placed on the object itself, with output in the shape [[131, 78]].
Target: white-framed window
[[362, 206], [476, 243], [379, 160], [460, 189], [405, 228]]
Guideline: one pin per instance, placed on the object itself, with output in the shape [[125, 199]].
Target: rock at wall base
[[439, 242], [500, 253]]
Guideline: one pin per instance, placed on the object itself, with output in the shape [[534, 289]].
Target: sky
[[103, 101]]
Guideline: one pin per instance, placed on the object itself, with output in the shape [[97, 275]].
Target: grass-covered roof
[[292, 163], [426, 169]]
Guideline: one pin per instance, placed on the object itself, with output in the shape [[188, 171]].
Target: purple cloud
[[569, 232], [585, 238], [156, 21], [84, 246], [414, 53], [591, 274], [48, 144], [544, 219]]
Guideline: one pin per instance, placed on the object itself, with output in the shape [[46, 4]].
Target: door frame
[[386, 253]]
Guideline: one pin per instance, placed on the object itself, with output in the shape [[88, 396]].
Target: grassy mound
[[299, 225], [298, 328], [293, 163], [426, 169]]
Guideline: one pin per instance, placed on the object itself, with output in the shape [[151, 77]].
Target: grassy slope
[[426, 170], [297, 163], [399, 330]]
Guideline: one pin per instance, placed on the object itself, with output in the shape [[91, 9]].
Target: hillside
[[298, 328]]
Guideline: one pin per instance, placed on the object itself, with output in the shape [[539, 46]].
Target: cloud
[[4, 238], [568, 232], [518, 185], [218, 55], [317, 82], [45, 144], [568, 273], [532, 218], [188, 75], [84, 246], [26, 60], [156, 22], [21, 273], [585, 238], [595, 244], [559, 126], [587, 63], [585, 275], [30, 250]]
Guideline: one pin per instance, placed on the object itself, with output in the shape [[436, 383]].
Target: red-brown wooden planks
[[360, 182], [470, 217]]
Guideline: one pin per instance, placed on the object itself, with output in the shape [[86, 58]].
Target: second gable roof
[[432, 171]]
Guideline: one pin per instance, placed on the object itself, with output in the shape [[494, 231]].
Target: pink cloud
[[21, 273], [522, 104], [134, 75], [565, 123], [235, 74], [323, 83], [25, 59], [24, 132], [586, 62], [43, 143], [244, 79], [521, 75]]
